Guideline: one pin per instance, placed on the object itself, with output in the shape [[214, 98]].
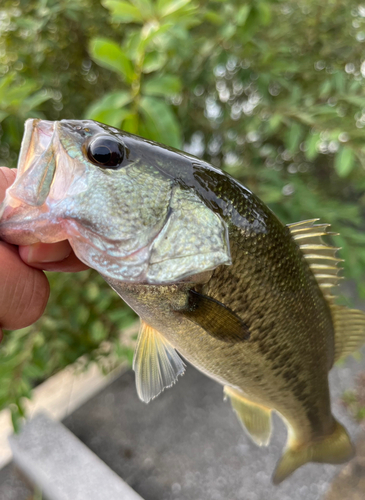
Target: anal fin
[[156, 363], [255, 419]]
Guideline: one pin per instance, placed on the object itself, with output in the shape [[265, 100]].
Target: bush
[[271, 91]]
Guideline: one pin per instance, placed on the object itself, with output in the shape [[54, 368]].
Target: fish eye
[[106, 152]]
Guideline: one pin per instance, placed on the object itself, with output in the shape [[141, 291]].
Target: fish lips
[[24, 199], [27, 212]]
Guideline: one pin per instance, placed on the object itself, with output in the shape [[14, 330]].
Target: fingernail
[[45, 252]]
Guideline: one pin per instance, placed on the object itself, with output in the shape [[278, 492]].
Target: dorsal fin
[[349, 324], [321, 257], [156, 363]]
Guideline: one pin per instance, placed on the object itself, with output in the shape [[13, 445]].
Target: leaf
[[130, 123], [305, 118], [243, 14], [17, 93], [108, 54], [164, 85], [139, 41], [160, 121], [264, 9], [15, 418], [170, 7], [156, 31], [154, 61], [213, 17], [146, 7], [339, 80], [293, 136], [110, 109], [35, 100], [4, 85], [356, 100], [98, 331], [123, 12], [344, 161], [3, 115], [114, 100], [112, 117], [311, 151], [325, 88], [274, 123]]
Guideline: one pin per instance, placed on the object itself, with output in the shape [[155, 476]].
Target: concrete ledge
[[62, 467], [64, 392]]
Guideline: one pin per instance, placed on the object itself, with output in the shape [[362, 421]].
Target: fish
[[216, 279]]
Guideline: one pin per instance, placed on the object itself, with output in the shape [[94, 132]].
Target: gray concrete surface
[[12, 485], [63, 468], [188, 445], [350, 483]]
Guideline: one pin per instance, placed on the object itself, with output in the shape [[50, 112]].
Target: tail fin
[[334, 449]]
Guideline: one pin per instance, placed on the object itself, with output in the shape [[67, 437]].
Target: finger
[[7, 177], [51, 257], [24, 291]]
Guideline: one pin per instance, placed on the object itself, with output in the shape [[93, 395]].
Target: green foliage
[[82, 314], [271, 91]]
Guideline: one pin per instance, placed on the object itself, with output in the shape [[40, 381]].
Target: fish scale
[[270, 331]]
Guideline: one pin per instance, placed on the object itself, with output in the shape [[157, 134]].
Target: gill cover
[[122, 214]]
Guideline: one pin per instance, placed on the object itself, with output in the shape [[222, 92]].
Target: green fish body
[[210, 270]]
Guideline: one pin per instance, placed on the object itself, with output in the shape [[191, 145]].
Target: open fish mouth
[[25, 204], [36, 140], [35, 166]]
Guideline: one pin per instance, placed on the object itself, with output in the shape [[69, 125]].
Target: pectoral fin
[[156, 363], [256, 420], [216, 318]]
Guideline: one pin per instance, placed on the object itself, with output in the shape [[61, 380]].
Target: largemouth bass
[[210, 270]]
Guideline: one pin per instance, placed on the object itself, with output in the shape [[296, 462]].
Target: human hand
[[24, 290]]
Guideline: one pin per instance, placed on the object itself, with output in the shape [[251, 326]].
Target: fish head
[[112, 195]]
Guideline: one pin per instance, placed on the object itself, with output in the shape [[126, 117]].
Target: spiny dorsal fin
[[321, 257], [255, 419], [156, 363], [349, 324]]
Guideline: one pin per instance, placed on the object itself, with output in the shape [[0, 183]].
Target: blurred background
[[271, 91]]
